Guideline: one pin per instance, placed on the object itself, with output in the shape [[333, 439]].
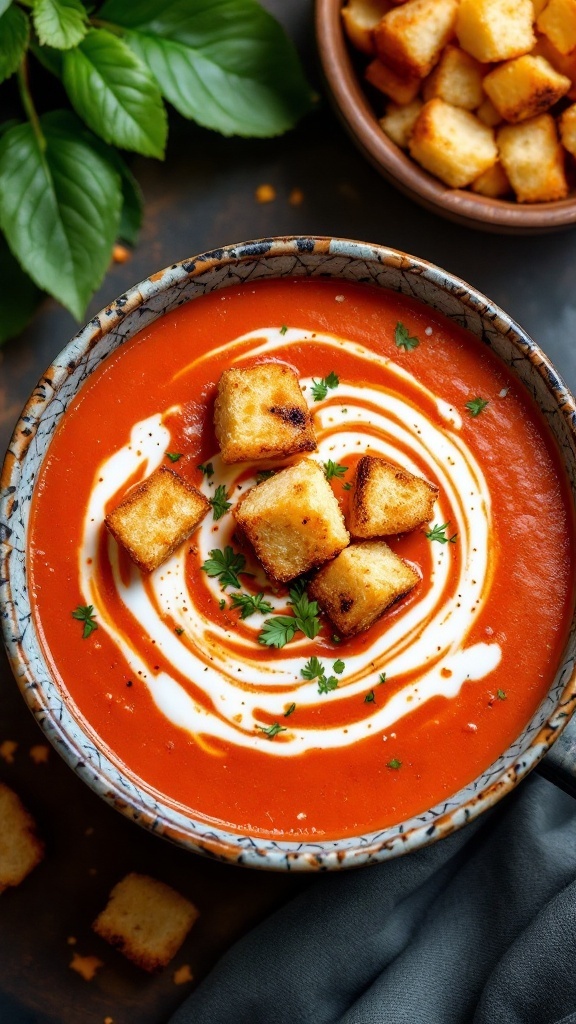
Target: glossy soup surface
[[175, 684]]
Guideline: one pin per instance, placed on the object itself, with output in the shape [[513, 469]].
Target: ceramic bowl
[[160, 293], [360, 119]]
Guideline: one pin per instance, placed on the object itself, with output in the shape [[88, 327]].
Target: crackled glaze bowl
[[337, 269]]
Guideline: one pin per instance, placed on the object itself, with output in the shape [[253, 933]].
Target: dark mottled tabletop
[[201, 198]]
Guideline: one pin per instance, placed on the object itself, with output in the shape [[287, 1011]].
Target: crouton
[[293, 521], [146, 920], [493, 182], [457, 78], [565, 64], [533, 159], [493, 30], [568, 129], [558, 22], [452, 143], [20, 848], [524, 87], [360, 17], [400, 88], [385, 499], [260, 413], [488, 114], [398, 121], [156, 517], [360, 584], [410, 38]]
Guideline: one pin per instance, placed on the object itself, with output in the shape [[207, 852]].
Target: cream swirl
[[239, 681]]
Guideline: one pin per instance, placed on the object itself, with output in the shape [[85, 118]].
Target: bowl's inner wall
[[121, 321]]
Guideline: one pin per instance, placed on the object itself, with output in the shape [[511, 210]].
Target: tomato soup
[[178, 688]]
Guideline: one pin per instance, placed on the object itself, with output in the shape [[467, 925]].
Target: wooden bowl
[[359, 118]]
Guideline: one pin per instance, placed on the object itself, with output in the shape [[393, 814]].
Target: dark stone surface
[[200, 199]]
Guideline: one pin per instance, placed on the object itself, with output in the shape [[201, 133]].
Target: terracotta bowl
[[183, 282], [360, 119]]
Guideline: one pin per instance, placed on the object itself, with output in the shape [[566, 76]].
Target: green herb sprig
[[219, 503], [66, 193], [438, 532], [225, 565], [280, 630], [320, 388], [403, 338], [333, 470], [85, 613], [249, 604], [476, 405]]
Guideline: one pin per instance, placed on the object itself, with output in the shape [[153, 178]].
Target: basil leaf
[[59, 23], [59, 208], [14, 36], [116, 94], [4, 5], [225, 63], [19, 296], [132, 206], [7, 125]]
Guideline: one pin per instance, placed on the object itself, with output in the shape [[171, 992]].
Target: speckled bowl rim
[[286, 256], [357, 115]]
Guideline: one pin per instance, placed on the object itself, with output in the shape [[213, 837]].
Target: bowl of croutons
[[467, 106], [272, 615]]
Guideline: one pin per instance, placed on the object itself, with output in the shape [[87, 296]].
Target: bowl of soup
[[164, 691]]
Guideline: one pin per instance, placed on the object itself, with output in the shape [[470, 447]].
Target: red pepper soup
[[321, 737]]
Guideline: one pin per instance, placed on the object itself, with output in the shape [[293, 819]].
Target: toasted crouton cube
[[457, 78], [495, 29], [533, 159], [293, 521], [360, 584], [360, 17], [156, 517], [452, 143], [410, 38], [398, 121], [261, 413], [146, 919], [20, 848], [488, 114], [386, 499], [494, 182], [567, 125], [524, 87], [558, 22], [565, 64], [400, 88]]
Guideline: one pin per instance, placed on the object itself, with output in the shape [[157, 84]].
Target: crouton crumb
[[85, 966], [39, 753], [182, 975], [7, 750], [265, 194]]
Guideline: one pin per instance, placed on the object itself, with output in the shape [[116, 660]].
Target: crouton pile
[[292, 519], [480, 92]]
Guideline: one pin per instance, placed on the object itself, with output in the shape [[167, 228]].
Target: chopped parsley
[[346, 487], [339, 667], [382, 677], [321, 387], [290, 710], [438, 532], [394, 763], [404, 339], [178, 630], [250, 603], [314, 669], [272, 730], [264, 474], [222, 604], [206, 468], [325, 684], [280, 630], [283, 329], [173, 456], [219, 503], [501, 694], [85, 613], [333, 470], [226, 565], [476, 405], [370, 698]]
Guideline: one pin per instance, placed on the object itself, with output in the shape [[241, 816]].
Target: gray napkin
[[480, 927]]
